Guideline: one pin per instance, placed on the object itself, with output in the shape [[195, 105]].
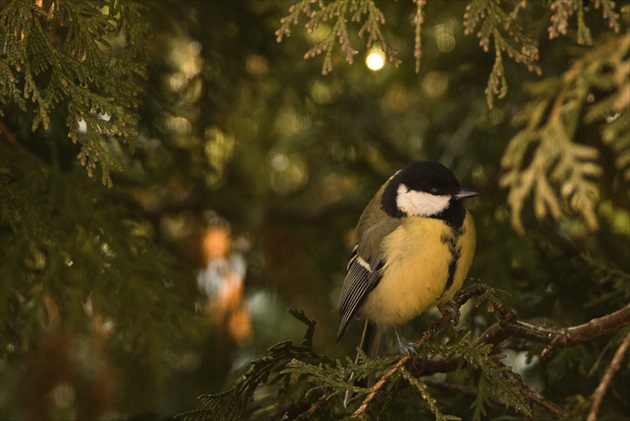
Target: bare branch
[[318, 404], [417, 50], [610, 373], [556, 337], [594, 329]]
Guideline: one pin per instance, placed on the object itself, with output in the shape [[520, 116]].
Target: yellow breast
[[417, 269]]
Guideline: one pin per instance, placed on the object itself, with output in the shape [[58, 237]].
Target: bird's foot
[[407, 348], [450, 310]]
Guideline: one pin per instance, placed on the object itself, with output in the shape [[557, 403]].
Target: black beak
[[465, 193]]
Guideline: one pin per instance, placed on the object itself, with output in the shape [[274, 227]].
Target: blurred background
[[250, 171]]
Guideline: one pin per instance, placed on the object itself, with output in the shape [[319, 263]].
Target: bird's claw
[[407, 348], [450, 310]]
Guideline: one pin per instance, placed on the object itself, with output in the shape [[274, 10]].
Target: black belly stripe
[[451, 241]]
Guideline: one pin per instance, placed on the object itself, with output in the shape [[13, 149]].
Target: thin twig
[[318, 404], [531, 395], [599, 393], [379, 385], [12, 139], [457, 390]]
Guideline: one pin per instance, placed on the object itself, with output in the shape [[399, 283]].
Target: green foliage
[[605, 355], [56, 60], [563, 10], [493, 299], [543, 159], [430, 400], [269, 370], [503, 29], [46, 262], [338, 13], [498, 25], [495, 380], [334, 378], [609, 279], [228, 122], [293, 378], [495, 23], [547, 159]]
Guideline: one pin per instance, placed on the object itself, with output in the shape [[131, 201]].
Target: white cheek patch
[[420, 203]]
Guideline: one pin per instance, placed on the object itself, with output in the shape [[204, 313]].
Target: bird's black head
[[426, 189]]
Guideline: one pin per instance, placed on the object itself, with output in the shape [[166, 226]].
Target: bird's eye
[[435, 191]]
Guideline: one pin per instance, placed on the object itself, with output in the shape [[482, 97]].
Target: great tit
[[413, 246]]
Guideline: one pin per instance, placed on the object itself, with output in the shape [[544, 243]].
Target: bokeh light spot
[[375, 59], [445, 38], [435, 84]]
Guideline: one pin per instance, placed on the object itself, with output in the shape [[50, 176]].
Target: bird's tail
[[370, 341]]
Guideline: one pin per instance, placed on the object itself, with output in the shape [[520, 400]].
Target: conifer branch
[[491, 20], [318, 404], [557, 337], [497, 382], [447, 317], [511, 327], [338, 13], [379, 385], [11, 139], [430, 400], [441, 365], [589, 331], [530, 394], [417, 50], [60, 59], [544, 158], [501, 28], [598, 395]]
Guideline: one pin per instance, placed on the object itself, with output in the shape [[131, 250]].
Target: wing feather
[[360, 281], [366, 262]]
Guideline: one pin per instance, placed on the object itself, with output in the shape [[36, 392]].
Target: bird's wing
[[363, 275], [364, 271]]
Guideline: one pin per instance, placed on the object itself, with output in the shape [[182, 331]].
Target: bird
[[414, 244]]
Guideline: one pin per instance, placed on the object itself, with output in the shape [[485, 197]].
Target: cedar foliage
[[296, 370], [534, 102], [75, 256], [551, 120], [57, 56]]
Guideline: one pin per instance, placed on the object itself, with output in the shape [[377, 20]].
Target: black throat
[[454, 215]]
